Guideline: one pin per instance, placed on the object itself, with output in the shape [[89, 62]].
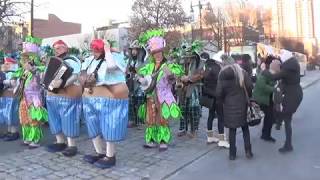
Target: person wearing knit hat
[[290, 79], [137, 97], [9, 103], [188, 89], [210, 80], [156, 78], [263, 93], [233, 82], [31, 110], [105, 102], [64, 106]]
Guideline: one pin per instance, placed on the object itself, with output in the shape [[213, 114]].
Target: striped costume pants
[[107, 117], [64, 115]]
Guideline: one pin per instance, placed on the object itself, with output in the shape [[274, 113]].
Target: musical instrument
[[185, 89], [57, 69], [133, 65]]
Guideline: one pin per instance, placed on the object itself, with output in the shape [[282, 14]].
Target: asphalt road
[[268, 163]]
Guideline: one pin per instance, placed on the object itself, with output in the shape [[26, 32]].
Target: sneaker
[[33, 145], [56, 147], [150, 145], [163, 147], [224, 144], [106, 162], [11, 137], [93, 158], [70, 151], [211, 138], [25, 143]]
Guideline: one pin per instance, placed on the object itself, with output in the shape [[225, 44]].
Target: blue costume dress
[[9, 105], [106, 116]]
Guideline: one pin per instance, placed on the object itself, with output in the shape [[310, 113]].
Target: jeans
[[288, 129], [246, 138], [216, 108], [268, 120]]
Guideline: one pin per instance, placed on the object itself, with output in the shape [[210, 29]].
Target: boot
[[232, 153], [223, 142], [286, 149], [211, 138], [249, 153]]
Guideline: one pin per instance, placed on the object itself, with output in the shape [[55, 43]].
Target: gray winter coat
[[233, 98]]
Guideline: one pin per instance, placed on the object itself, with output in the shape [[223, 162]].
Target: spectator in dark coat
[[232, 82], [292, 91], [210, 79]]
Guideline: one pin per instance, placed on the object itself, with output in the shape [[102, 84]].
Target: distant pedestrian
[[233, 81]]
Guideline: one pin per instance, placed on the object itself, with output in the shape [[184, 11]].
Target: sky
[[92, 13]]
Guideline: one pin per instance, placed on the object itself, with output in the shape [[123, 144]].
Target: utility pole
[[31, 20], [200, 11]]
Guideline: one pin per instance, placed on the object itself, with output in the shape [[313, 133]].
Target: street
[[268, 163], [186, 158]]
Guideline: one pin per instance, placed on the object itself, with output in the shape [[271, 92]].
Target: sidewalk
[[133, 162]]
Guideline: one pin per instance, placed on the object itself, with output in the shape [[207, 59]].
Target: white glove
[[10, 83], [55, 83]]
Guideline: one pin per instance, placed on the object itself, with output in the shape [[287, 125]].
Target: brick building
[[54, 26]]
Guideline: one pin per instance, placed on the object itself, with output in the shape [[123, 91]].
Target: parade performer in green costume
[[157, 78]]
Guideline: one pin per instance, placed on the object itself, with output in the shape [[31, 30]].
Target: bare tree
[[214, 22], [154, 14], [10, 9]]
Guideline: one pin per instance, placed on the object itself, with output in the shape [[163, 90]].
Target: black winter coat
[[292, 91], [233, 98], [210, 78]]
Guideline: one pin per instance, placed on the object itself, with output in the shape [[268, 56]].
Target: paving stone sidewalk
[[133, 162]]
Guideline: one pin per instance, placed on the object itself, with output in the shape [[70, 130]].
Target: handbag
[[254, 112], [206, 101]]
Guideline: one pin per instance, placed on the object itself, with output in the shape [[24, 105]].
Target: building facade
[[54, 26]]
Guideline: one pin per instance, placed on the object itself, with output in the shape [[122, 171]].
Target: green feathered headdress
[[146, 36], [197, 46], [33, 40], [74, 51]]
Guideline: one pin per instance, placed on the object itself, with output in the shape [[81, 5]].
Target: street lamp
[[199, 5], [31, 21]]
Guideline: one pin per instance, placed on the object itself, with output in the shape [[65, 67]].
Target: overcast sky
[[92, 13]]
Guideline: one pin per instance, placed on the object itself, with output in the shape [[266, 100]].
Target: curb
[[311, 84]]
